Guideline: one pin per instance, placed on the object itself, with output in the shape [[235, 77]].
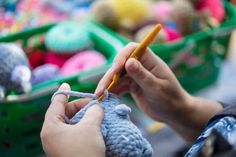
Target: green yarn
[[67, 37]]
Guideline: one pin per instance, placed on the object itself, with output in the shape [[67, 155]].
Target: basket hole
[[34, 116], [31, 146], [3, 114], [7, 144], [30, 132], [6, 130]]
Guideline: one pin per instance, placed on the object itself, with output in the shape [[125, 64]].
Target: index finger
[[74, 106], [56, 110], [117, 65]]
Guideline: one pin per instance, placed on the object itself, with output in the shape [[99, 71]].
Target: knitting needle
[[137, 53]]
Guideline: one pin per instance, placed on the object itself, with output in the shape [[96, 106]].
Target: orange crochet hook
[[137, 53]]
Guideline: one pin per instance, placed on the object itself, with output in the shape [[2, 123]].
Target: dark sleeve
[[229, 109]]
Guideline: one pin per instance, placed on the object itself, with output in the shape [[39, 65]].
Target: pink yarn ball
[[172, 34], [162, 10], [82, 61], [57, 59], [215, 7]]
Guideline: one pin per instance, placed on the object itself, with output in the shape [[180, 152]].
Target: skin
[[156, 91], [62, 140]]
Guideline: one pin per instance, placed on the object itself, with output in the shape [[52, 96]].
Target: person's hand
[[80, 140], [150, 81], [156, 90]]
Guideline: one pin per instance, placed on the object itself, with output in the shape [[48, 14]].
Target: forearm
[[190, 121]]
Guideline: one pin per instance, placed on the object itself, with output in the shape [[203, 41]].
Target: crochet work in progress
[[121, 136]]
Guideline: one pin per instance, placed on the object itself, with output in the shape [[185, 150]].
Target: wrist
[[179, 109]]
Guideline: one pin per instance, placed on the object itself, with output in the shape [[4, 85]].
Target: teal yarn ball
[[67, 37]]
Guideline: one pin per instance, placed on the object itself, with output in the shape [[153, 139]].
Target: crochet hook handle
[[137, 53]]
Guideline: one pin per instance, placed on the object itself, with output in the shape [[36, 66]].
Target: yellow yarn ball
[[131, 11]]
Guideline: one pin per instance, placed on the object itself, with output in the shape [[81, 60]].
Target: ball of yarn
[[167, 34], [120, 13], [82, 61], [36, 58], [44, 73], [135, 10], [14, 70], [184, 15], [67, 37], [143, 24], [104, 13], [194, 2], [162, 10], [172, 34], [160, 38], [215, 7], [57, 59]]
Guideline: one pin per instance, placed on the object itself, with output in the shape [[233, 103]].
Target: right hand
[[151, 82], [156, 90]]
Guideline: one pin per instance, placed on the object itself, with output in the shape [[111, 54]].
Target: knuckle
[[141, 72], [146, 77], [46, 131], [44, 134]]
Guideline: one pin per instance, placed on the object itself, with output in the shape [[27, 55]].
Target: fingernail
[[99, 90], [64, 85], [132, 65]]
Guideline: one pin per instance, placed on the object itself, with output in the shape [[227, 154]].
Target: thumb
[[93, 116], [139, 74], [57, 107]]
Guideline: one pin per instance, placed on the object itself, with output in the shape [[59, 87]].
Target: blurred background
[[44, 43]]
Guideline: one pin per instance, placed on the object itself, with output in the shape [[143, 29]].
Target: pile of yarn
[[19, 15], [135, 18], [69, 52]]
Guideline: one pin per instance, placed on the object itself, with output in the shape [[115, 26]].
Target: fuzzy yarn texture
[[133, 10], [104, 13], [215, 7], [167, 34], [162, 37], [122, 138], [121, 14], [82, 61], [57, 58], [14, 70], [36, 58], [162, 10], [184, 15], [45, 73], [67, 37]]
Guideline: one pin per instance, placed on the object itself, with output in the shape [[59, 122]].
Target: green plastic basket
[[21, 116], [209, 46]]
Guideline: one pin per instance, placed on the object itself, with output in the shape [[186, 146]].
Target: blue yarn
[[121, 136]]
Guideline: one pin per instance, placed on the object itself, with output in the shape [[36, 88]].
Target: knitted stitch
[[122, 138]]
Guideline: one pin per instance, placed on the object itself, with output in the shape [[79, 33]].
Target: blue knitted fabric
[[121, 136]]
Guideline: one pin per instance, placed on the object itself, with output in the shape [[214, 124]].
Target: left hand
[[83, 139]]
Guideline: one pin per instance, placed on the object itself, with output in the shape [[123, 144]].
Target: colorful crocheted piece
[[68, 37], [121, 136]]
